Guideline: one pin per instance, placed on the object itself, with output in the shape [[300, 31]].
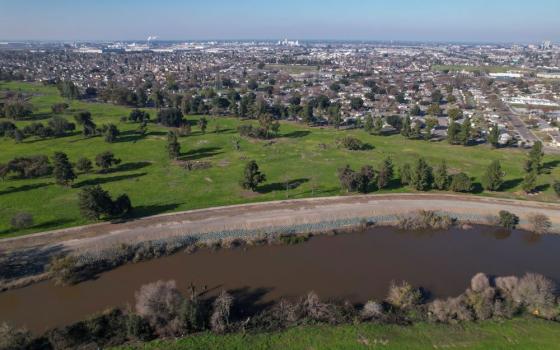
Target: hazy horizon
[[475, 21]]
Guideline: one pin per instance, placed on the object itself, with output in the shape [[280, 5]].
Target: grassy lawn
[[514, 334], [302, 155]]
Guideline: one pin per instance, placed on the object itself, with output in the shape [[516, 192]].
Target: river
[[357, 266]]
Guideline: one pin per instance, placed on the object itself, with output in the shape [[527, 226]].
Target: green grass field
[[515, 334], [307, 156]]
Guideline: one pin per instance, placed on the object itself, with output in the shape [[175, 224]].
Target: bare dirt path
[[271, 214]]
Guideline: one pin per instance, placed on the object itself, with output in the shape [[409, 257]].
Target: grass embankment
[[513, 334], [305, 157]]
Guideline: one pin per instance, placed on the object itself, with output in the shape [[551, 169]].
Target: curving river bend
[[357, 266]]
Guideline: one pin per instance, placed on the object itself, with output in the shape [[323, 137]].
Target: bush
[[64, 270], [508, 220], [461, 183], [536, 293], [371, 311], [480, 297], [219, 321], [539, 223], [159, 303], [451, 310], [425, 219], [12, 338], [22, 220], [403, 295], [352, 143]]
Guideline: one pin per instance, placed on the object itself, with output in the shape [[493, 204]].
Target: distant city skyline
[[400, 20]]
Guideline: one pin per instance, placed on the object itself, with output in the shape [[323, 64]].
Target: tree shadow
[[297, 134], [542, 188], [129, 136], [104, 180], [149, 210], [477, 188], [23, 188], [200, 153], [26, 262], [549, 166], [394, 184], [511, 184], [281, 186], [130, 166], [249, 301]]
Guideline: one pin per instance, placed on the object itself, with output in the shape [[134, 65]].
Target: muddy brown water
[[357, 267]]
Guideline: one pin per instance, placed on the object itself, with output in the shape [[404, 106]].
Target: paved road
[[273, 214]]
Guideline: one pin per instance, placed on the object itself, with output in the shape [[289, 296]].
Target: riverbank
[[166, 234], [520, 333]]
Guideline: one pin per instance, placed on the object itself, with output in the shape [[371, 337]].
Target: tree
[[68, 89], [219, 320], [62, 169], [307, 113], [416, 110], [84, 165], [60, 126], [202, 124], [138, 116], [378, 126], [508, 220], [171, 117], [556, 187], [405, 173], [535, 156], [385, 173], [84, 119], [348, 178], [494, 136], [365, 178], [94, 202], [455, 113], [434, 110], [494, 177], [110, 132], [106, 160], [422, 176], [356, 103], [441, 177], [368, 125], [530, 181], [453, 130], [173, 146], [461, 183], [252, 177], [406, 129], [464, 135]]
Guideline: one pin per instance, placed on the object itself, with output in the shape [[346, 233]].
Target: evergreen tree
[[405, 174], [94, 202], [173, 146], [494, 136], [202, 124], [494, 177], [422, 176], [252, 177], [378, 126], [385, 173], [534, 161], [453, 131], [464, 135], [369, 124], [461, 183], [406, 130], [62, 169], [441, 177], [530, 181]]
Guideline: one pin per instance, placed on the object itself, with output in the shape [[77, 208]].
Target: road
[[273, 214]]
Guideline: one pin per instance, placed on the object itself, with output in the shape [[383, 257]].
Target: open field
[[514, 334], [307, 158]]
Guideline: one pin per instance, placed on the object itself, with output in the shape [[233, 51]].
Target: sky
[[408, 20]]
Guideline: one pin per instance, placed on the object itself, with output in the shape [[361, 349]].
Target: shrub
[[461, 183], [403, 295], [536, 293], [506, 285], [352, 143], [480, 297], [22, 220], [508, 220], [371, 310], [539, 223], [64, 270], [312, 309], [159, 303], [84, 165], [425, 219], [450, 310], [219, 321], [12, 338]]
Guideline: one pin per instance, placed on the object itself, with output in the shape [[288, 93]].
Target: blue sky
[[424, 20]]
